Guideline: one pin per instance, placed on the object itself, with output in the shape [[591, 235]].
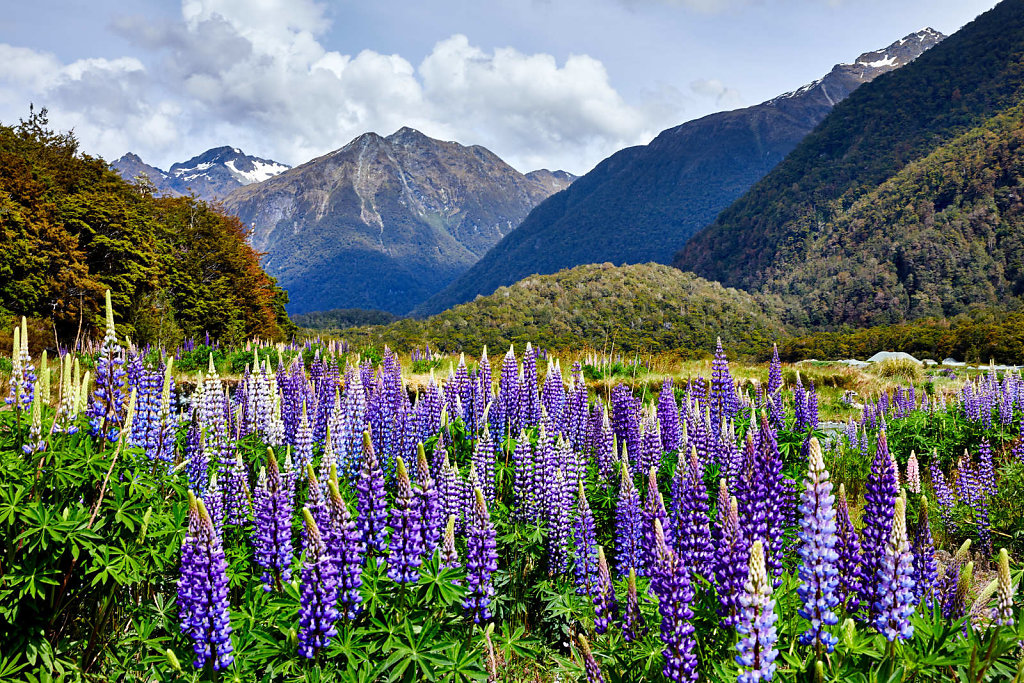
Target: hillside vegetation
[[630, 308], [71, 228], [902, 204]]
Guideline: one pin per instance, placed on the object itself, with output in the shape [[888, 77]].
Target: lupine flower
[[756, 651], [723, 401], [1004, 610], [606, 608], [880, 497], [559, 522], [895, 579], [980, 613], [449, 554], [36, 442], [730, 568], [590, 665], [405, 550], [774, 391], [481, 561], [818, 573], [956, 606], [668, 417], [21, 368], [370, 501], [913, 475], [634, 626], [107, 407], [428, 505], [950, 580], [691, 530], [654, 509], [272, 532], [945, 496], [348, 556], [628, 526], [926, 570], [986, 473], [585, 541], [317, 601], [203, 590], [670, 582]]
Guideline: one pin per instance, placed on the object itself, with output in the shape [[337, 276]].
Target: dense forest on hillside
[[71, 229], [627, 308], [342, 318], [824, 187]]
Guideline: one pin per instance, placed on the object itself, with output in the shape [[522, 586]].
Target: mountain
[[384, 223], [210, 175], [643, 202], [905, 202], [643, 307]]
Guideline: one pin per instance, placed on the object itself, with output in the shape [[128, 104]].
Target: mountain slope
[[868, 139], [210, 175], [942, 235], [641, 203], [384, 223], [644, 307]]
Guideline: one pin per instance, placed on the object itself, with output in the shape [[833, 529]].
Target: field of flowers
[[315, 517]]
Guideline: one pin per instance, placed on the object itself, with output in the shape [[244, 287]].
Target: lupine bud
[[590, 665], [405, 550], [1004, 611], [634, 627], [606, 608], [913, 474], [449, 554]]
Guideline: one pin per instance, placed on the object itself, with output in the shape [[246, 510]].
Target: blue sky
[[542, 83]]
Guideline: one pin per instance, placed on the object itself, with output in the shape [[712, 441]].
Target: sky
[[558, 84]]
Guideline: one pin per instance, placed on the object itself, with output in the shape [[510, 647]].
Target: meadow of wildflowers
[[312, 517]]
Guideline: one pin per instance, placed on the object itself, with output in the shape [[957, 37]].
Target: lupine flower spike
[[606, 608], [818, 573], [318, 610], [756, 651], [895, 580], [1004, 610], [590, 665]]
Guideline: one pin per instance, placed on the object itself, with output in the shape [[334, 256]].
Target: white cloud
[[724, 96], [253, 73]]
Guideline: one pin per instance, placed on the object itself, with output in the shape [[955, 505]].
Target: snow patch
[[261, 171]]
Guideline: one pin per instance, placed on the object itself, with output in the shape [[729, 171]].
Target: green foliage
[[645, 307], [342, 318], [72, 228]]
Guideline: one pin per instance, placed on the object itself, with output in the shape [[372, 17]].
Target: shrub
[[900, 370]]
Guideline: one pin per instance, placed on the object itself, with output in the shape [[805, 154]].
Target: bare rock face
[[385, 222]]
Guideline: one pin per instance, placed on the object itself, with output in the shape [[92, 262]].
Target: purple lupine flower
[[106, 410], [585, 541], [203, 590], [779, 496], [628, 526], [850, 560], [606, 608], [483, 460], [926, 570], [1004, 591], [756, 651], [449, 554], [531, 405], [303, 441], [945, 496], [895, 578], [318, 599], [405, 550], [626, 420], [559, 523], [880, 497], [949, 584], [671, 584], [634, 626], [22, 381], [198, 468], [272, 532], [604, 447], [723, 401], [428, 504], [654, 509], [668, 417], [481, 561], [986, 473], [590, 665], [691, 531], [773, 395], [370, 501], [818, 573], [729, 565], [348, 555]]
